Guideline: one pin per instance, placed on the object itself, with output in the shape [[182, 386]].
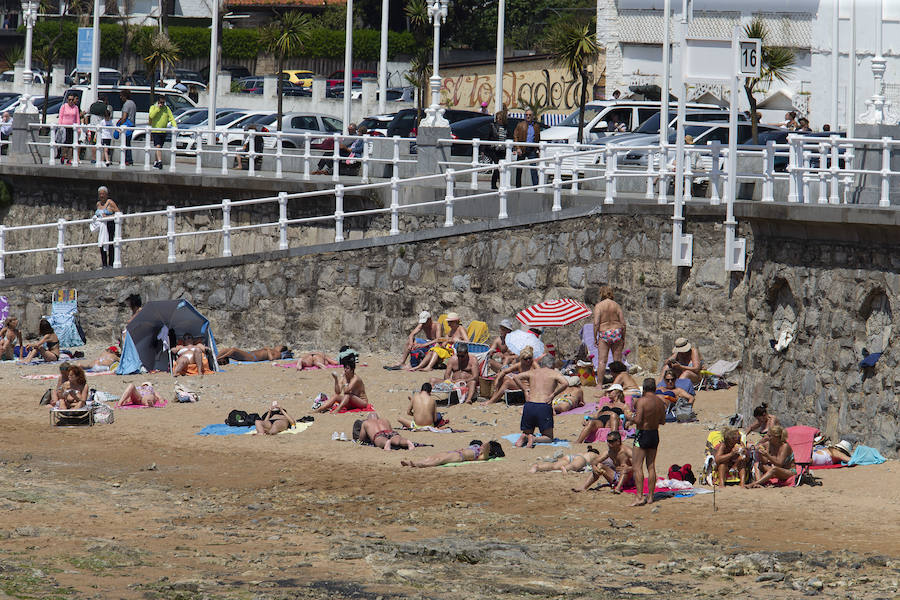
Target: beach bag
[[45, 399], [103, 414], [416, 356], [59, 136], [682, 473], [238, 418], [684, 412], [182, 394]]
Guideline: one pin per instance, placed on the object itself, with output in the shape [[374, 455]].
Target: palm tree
[[158, 52], [283, 37], [46, 55], [776, 63], [420, 69], [573, 46]]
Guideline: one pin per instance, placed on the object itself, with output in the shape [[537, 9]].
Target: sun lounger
[[72, 417]]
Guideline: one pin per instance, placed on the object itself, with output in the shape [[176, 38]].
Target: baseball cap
[[616, 386], [424, 316]]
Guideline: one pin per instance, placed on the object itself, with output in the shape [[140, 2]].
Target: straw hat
[[682, 345], [452, 317], [844, 446]]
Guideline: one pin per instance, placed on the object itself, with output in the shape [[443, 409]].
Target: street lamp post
[[437, 14], [498, 81], [29, 13], [879, 110]]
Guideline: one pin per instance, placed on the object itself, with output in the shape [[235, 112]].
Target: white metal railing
[[187, 148]]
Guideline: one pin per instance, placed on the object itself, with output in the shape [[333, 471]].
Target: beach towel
[[581, 410], [513, 437], [295, 429], [223, 429], [433, 429], [45, 376], [293, 365], [600, 434], [157, 405], [671, 488], [864, 455], [368, 408], [472, 462]]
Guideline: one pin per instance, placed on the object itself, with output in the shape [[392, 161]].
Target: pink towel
[[293, 365], [368, 408], [600, 435]]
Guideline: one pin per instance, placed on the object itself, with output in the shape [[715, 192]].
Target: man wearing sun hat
[[685, 361], [498, 346], [443, 350], [422, 336]]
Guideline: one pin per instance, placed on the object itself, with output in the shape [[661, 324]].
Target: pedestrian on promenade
[[6, 125], [96, 111], [498, 151], [69, 116], [160, 116], [106, 138], [529, 132], [106, 207], [127, 119]]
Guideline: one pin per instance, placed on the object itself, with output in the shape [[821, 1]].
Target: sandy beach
[[145, 508]]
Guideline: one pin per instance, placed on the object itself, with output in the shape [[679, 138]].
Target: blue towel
[[864, 455], [513, 437], [223, 429], [870, 360]]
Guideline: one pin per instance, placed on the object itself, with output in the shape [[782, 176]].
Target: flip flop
[[391, 368]]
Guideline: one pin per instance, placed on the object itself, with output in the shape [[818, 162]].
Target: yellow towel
[[297, 428], [478, 332]]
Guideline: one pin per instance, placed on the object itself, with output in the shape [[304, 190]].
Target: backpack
[[238, 418], [682, 473], [684, 412]]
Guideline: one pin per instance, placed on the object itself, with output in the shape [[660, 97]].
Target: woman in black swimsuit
[[275, 420], [47, 347], [610, 415]]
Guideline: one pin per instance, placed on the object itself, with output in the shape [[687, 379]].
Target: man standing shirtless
[[378, 431], [545, 384], [427, 329], [462, 368], [649, 414], [423, 410], [620, 473], [609, 327]]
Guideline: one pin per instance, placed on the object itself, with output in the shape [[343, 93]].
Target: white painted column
[[382, 63], [95, 57], [348, 65], [498, 74], [835, 65], [851, 102], [29, 12], [212, 86]]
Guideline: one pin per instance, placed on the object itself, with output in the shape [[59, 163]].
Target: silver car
[[294, 125]]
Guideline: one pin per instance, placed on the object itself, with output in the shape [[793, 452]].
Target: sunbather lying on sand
[[349, 389], [423, 410], [611, 415], [142, 395], [476, 450], [378, 431], [105, 360], [187, 352], [615, 466], [568, 463], [273, 353], [274, 421], [315, 359], [571, 399]]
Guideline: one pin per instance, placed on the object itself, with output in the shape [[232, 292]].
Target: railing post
[[687, 192], [885, 199], [502, 188], [123, 147], [282, 220], [715, 176], [251, 153], [835, 196], [279, 155], [307, 149], [509, 150], [147, 146], [53, 129], [557, 183], [395, 170], [847, 180], [2, 251], [448, 198], [117, 240], [198, 143], [795, 184], [610, 172], [576, 172], [395, 205], [223, 169], [365, 160], [60, 242], [98, 147], [173, 145], [76, 129], [805, 193], [823, 177], [649, 193], [226, 227], [662, 198], [339, 213], [170, 232], [768, 191], [542, 176], [476, 143], [335, 156]]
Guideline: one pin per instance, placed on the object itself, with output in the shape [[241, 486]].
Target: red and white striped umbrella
[[554, 313]]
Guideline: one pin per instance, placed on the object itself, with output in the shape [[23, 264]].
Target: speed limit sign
[[750, 57]]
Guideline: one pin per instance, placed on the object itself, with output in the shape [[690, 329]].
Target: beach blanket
[[46, 376], [223, 429], [297, 428], [293, 365], [157, 405], [581, 410], [600, 434], [433, 429], [368, 408], [471, 462], [864, 455], [513, 437], [837, 466]]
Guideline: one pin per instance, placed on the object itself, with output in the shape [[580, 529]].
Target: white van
[[141, 96], [608, 117]]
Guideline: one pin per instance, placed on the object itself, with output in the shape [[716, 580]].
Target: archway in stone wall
[[785, 313], [876, 312]]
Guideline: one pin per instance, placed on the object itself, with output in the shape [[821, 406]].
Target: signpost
[[85, 48], [725, 61]]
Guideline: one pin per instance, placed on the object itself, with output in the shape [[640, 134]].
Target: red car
[[337, 78]]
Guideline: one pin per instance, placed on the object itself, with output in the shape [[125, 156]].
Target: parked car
[[141, 96], [10, 76], [405, 124], [38, 101], [135, 79], [107, 77], [188, 75], [377, 124], [8, 99], [479, 127], [236, 134], [248, 85], [780, 136], [356, 75], [186, 142], [299, 77], [701, 135], [337, 91], [189, 119], [294, 125]]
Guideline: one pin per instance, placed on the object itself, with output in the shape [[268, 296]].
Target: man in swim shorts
[[615, 466], [544, 385], [649, 414], [423, 410]]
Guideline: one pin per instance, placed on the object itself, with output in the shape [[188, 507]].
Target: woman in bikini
[[609, 327], [186, 354], [8, 336], [274, 421], [273, 353], [443, 349], [312, 360], [571, 399], [47, 347], [106, 359], [610, 415], [142, 395], [476, 450], [349, 390], [731, 454], [776, 457], [74, 396], [62, 384], [764, 421], [569, 463]]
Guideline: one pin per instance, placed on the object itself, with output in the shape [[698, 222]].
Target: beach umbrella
[[517, 340], [554, 313]]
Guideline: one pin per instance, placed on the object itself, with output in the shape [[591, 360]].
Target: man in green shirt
[[160, 116]]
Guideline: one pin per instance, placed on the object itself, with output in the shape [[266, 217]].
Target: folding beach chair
[[478, 332], [801, 438], [716, 372], [63, 312]]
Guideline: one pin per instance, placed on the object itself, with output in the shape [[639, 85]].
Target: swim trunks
[[646, 439], [610, 336], [536, 415]]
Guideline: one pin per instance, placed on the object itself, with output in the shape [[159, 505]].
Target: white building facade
[[632, 32]]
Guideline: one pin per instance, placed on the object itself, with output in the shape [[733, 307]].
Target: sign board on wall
[[85, 49]]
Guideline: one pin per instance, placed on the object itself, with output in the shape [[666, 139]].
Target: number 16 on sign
[[750, 57]]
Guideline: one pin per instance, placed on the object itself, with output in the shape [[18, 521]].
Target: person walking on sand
[[423, 410], [649, 414], [609, 327], [545, 384]]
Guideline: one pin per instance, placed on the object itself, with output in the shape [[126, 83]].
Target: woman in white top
[[106, 137]]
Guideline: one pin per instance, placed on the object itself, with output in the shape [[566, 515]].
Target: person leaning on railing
[[6, 125], [242, 159], [498, 151], [160, 115]]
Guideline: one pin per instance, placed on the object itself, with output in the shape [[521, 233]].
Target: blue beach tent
[[150, 333]]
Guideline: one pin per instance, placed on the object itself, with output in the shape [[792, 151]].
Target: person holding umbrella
[[609, 327]]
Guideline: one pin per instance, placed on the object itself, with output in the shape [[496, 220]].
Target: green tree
[[775, 63], [419, 68], [285, 36], [573, 46], [158, 53]]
